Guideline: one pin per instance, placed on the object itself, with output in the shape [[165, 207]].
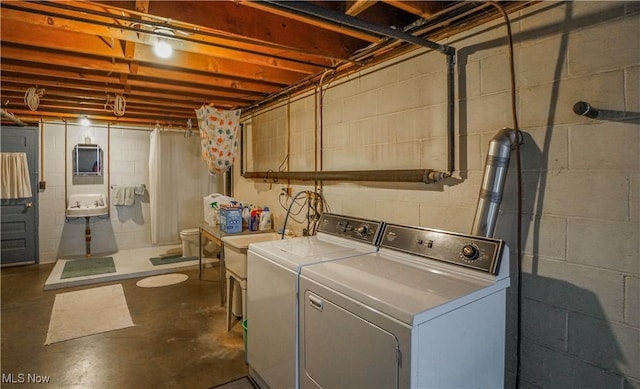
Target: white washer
[[272, 299], [426, 311]]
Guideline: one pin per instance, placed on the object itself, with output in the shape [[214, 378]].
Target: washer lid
[[296, 252], [407, 291]]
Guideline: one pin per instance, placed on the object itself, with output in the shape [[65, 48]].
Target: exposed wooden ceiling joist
[[233, 54]]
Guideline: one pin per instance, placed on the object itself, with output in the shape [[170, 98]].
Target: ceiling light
[[162, 48], [85, 122]]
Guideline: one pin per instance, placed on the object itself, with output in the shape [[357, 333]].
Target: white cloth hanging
[[16, 182], [218, 132], [123, 195], [163, 194]]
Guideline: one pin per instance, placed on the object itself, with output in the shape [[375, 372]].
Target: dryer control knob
[[362, 230], [470, 252]]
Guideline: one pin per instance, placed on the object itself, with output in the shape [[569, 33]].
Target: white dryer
[[426, 311], [272, 291]]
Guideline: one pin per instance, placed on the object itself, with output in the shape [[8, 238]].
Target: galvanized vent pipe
[[495, 175]]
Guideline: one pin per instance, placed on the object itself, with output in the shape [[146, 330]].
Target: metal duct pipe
[[303, 7], [495, 175], [227, 184], [416, 175], [585, 109]]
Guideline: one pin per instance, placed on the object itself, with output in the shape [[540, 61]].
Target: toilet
[[190, 242]]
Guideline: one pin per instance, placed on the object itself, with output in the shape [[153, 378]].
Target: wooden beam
[[359, 6], [199, 44], [159, 75], [253, 21], [424, 9], [74, 43]]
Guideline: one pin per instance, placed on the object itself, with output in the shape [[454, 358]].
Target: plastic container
[[254, 221], [244, 335], [211, 215], [230, 219], [246, 215], [265, 220]]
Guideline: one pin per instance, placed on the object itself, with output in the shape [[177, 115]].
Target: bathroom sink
[[83, 205]]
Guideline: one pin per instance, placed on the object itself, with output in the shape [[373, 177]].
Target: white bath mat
[[162, 280], [88, 312]]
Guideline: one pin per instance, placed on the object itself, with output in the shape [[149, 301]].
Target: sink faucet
[[77, 205], [99, 203]]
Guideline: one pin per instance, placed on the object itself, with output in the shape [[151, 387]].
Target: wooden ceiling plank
[[82, 43], [16, 100], [98, 64], [32, 70], [142, 6], [35, 115], [161, 87], [200, 44], [198, 16], [309, 23], [359, 6], [255, 23], [140, 93], [196, 99], [424, 9]]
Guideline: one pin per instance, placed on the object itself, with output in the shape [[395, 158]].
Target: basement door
[[19, 228]]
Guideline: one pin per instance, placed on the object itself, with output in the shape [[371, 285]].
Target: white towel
[[123, 195], [16, 182], [139, 189]]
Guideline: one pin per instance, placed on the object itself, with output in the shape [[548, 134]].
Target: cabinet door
[[342, 350]]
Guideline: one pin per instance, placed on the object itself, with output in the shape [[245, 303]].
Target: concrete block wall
[[126, 156], [581, 202]]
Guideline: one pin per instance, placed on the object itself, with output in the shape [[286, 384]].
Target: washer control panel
[[351, 227], [469, 251]]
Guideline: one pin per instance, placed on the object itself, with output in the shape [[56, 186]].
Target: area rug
[[88, 267], [162, 280], [88, 312], [240, 383], [157, 261]]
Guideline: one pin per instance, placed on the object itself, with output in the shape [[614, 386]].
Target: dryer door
[[342, 350]]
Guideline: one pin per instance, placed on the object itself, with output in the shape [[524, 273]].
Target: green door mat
[[88, 267], [156, 261]]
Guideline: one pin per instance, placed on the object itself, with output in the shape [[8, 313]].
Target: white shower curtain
[[163, 193]]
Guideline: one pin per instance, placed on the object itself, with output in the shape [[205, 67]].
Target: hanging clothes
[[218, 132], [16, 182]]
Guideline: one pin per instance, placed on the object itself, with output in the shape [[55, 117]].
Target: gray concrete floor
[[179, 339]]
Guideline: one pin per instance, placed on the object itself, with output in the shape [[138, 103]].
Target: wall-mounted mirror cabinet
[[87, 160]]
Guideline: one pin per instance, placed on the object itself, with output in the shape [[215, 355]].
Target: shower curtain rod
[[120, 127]]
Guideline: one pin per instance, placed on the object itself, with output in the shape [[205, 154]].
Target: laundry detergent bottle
[[265, 219]]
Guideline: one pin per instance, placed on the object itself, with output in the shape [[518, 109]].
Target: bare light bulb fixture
[[85, 122], [162, 48]]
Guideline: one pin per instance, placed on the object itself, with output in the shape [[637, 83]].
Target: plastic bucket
[[244, 335]]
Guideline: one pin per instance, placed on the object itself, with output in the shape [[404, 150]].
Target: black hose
[[519, 193]]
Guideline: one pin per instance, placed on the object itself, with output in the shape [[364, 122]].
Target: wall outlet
[[42, 185]]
